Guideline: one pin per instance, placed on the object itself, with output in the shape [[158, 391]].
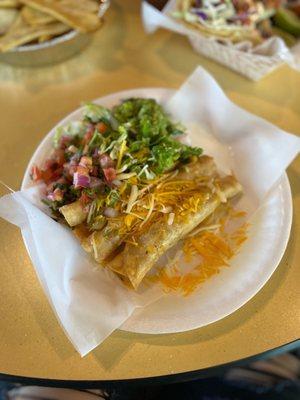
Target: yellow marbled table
[[121, 56]]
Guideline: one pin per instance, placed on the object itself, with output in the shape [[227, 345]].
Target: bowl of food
[[41, 32], [240, 20], [251, 37]]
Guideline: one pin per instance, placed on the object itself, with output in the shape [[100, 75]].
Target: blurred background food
[[288, 18], [37, 21], [242, 20]]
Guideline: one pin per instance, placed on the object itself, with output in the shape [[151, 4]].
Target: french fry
[[36, 18], [44, 38], [25, 21], [9, 4], [20, 33], [91, 6], [7, 17], [73, 13]]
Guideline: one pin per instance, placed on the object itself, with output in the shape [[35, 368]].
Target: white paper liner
[[252, 62], [90, 302]]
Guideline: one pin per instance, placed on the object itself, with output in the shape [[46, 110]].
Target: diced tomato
[[84, 199], [36, 173], [82, 170], [50, 164], [64, 142], [87, 137], [60, 156], [57, 174], [86, 162], [89, 133], [47, 176], [110, 174], [50, 175], [101, 127], [95, 171]]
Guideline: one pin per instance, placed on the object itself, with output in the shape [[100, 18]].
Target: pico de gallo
[[107, 153]]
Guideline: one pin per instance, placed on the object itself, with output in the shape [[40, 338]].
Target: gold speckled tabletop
[[32, 100]]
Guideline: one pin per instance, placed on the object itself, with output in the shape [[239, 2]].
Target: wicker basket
[[254, 63]]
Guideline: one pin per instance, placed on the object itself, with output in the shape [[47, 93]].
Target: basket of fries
[[252, 37], [40, 32]]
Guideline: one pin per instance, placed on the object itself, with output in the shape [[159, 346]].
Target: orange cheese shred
[[209, 251]]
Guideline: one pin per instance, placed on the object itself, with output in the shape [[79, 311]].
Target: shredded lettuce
[[145, 119], [74, 128], [165, 155], [112, 198], [96, 113], [149, 127]]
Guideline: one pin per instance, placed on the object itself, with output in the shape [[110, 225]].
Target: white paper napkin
[[89, 302], [260, 152]]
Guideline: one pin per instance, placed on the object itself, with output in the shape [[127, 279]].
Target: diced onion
[[81, 180]]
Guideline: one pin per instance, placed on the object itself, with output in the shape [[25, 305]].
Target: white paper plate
[[226, 292]]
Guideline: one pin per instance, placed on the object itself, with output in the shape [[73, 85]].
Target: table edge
[[155, 380]]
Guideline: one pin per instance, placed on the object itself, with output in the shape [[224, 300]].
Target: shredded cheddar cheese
[[122, 150], [212, 249], [165, 197]]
